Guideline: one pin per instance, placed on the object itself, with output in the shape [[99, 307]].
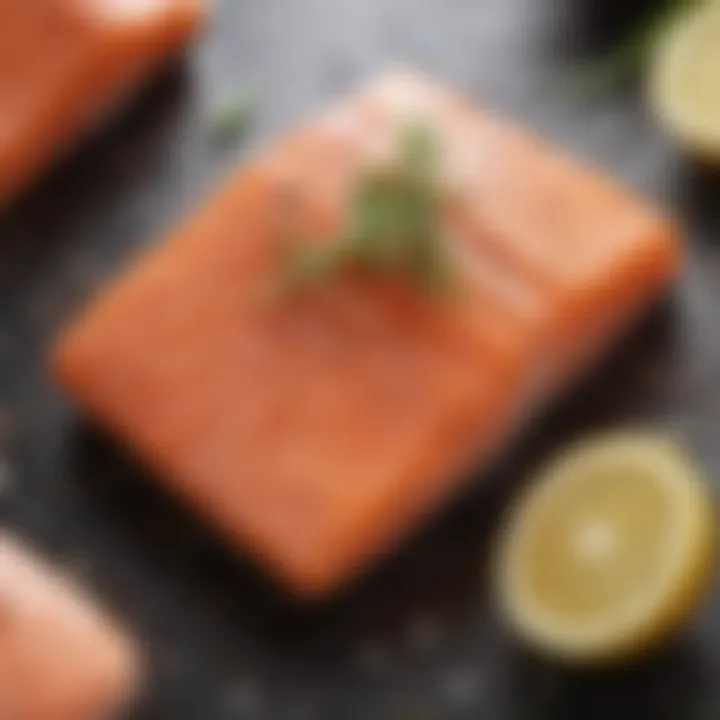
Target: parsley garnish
[[394, 222]]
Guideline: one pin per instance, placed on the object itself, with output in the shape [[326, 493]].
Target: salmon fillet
[[60, 658], [317, 428], [65, 64]]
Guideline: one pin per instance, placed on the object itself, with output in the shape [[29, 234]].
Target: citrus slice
[[609, 551], [685, 79]]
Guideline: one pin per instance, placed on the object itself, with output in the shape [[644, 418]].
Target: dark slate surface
[[417, 639]]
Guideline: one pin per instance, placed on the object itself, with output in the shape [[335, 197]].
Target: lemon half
[[609, 551], [685, 79]]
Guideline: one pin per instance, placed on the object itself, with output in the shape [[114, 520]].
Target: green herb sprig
[[394, 222]]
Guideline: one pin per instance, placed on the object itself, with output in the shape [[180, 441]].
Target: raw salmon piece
[[317, 427], [568, 235], [60, 658], [66, 64]]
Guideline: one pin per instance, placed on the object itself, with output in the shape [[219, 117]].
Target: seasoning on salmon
[[66, 64], [60, 658], [316, 427]]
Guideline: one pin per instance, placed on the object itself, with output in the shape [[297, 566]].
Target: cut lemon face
[[685, 79], [609, 551]]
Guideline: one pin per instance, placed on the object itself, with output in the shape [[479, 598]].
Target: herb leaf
[[419, 150], [394, 221]]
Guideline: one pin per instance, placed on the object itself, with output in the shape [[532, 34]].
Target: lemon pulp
[[684, 80], [609, 551]]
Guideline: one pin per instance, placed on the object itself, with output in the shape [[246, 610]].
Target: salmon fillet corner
[[316, 429]]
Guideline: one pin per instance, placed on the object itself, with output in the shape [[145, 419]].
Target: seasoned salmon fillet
[[60, 658], [315, 427], [65, 64]]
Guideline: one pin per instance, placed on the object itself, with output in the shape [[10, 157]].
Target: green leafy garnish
[[394, 222], [232, 118]]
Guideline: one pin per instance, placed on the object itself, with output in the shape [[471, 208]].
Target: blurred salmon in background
[[60, 657], [65, 65]]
